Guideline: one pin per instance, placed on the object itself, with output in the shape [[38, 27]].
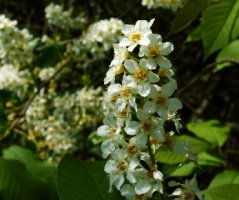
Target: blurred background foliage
[[208, 88]]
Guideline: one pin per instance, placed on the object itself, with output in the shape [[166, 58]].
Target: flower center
[[135, 37], [147, 126], [126, 92], [160, 100], [123, 114], [187, 195], [140, 75], [111, 133], [154, 52], [122, 165], [132, 149]]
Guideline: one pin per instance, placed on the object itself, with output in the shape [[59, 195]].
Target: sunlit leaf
[[220, 24], [212, 131], [230, 52], [223, 192]]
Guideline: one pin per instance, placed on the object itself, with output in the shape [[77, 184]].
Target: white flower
[[151, 126], [111, 132], [119, 167], [141, 75], [136, 34], [123, 94], [162, 103], [156, 50], [120, 55]]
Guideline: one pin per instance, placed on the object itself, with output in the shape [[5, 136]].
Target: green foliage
[[43, 170], [224, 186], [197, 144], [223, 192], [211, 131], [79, 180], [187, 14], [230, 52], [220, 25], [23, 176], [16, 183], [169, 157]]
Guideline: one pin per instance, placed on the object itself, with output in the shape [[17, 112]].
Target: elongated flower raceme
[[137, 105]]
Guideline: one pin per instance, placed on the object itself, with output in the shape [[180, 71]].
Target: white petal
[[132, 128], [118, 181], [132, 47], [127, 191], [164, 62], [144, 89], [107, 147], [142, 187], [114, 89], [124, 42], [103, 130], [142, 115], [174, 104], [169, 88], [162, 112], [158, 175], [167, 48], [152, 77], [150, 107], [131, 65], [110, 166]]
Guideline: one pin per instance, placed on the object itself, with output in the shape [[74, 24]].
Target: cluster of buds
[[16, 46], [167, 4], [56, 16], [137, 104]]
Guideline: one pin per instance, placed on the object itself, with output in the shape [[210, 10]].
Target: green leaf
[[212, 131], [220, 25], [43, 171], [223, 192], [230, 52], [226, 177], [185, 170], [206, 161], [79, 180], [17, 184], [187, 14], [169, 157], [198, 145]]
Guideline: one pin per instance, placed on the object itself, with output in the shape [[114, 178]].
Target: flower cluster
[[168, 4], [99, 37], [13, 80], [55, 121], [16, 45], [63, 19], [137, 104]]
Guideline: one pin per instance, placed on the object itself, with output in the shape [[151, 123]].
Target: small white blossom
[[136, 34]]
